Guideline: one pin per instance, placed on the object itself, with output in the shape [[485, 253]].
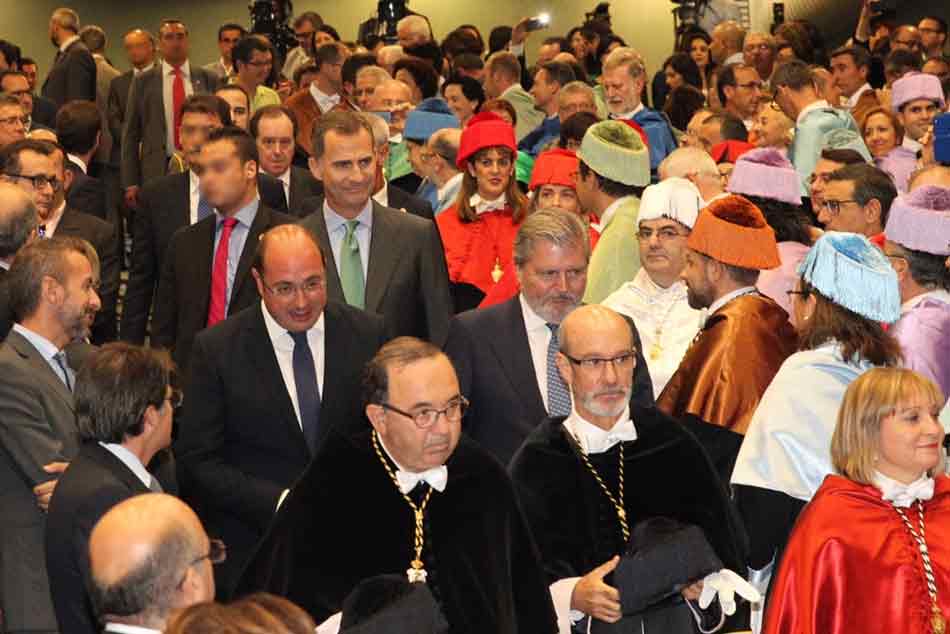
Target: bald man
[[576, 509], [727, 43], [149, 557], [395, 97]]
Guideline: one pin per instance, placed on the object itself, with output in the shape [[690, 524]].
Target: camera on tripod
[[269, 18]]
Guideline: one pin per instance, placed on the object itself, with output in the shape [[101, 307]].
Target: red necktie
[[178, 98], [219, 274]]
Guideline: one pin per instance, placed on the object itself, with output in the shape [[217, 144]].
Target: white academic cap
[[675, 198]]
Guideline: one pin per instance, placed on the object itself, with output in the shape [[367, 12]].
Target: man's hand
[[692, 592], [44, 492], [132, 197], [520, 32], [594, 597]]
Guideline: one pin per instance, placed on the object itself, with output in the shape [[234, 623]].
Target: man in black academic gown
[[351, 516], [574, 513]]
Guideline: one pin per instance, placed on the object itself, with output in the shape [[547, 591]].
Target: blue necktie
[[559, 400], [308, 390], [204, 208]]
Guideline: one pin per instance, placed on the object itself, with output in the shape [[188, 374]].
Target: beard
[[590, 404], [697, 299], [555, 307], [77, 321]]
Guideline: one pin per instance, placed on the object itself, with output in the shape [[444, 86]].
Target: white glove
[[726, 584]]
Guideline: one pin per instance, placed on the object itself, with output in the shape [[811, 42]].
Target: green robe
[[616, 258]]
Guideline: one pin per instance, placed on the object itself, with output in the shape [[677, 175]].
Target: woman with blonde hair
[[259, 613], [871, 552]]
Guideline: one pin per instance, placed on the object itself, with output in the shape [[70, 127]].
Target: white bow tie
[[436, 478], [601, 443], [482, 206], [904, 495]]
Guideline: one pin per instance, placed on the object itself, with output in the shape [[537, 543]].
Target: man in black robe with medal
[[407, 495], [586, 480]]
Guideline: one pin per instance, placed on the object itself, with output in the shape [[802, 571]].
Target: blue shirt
[[47, 350], [245, 218], [336, 230], [549, 130]]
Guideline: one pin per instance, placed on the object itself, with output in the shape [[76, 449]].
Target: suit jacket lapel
[[182, 211], [384, 252], [26, 350], [109, 461], [514, 353], [318, 225], [334, 371], [200, 254], [260, 224]]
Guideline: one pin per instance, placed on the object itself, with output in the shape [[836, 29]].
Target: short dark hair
[[242, 141], [725, 77], [232, 88], [304, 69], [27, 61], [731, 127], [795, 74], [10, 155], [461, 42], [926, 269], [11, 53], [329, 53], [210, 105], [272, 112], [859, 55], [787, 220], [312, 17], [471, 88], [869, 183], [558, 72], [231, 26], [844, 156], [683, 64], [575, 127], [561, 41], [682, 103], [78, 124], [428, 52], [901, 61], [329, 30], [16, 227], [741, 275], [352, 66], [610, 187], [245, 48], [400, 352], [34, 262], [941, 22], [93, 37], [342, 122], [467, 61], [116, 386], [423, 74]]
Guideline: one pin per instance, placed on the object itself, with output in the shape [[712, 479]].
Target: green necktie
[[351, 267]]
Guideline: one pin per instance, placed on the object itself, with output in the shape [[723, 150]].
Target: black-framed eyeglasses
[[427, 417], [217, 553], [286, 290], [176, 398], [834, 206], [598, 364], [39, 181], [804, 294], [663, 234]]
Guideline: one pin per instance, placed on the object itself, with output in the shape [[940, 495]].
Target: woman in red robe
[[871, 551], [478, 231]]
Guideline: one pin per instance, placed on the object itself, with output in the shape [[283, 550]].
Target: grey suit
[[37, 427], [406, 281], [144, 155], [218, 69], [105, 73]]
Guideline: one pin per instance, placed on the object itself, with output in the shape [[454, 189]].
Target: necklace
[[616, 501], [416, 572], [657, 348], [937, 621]]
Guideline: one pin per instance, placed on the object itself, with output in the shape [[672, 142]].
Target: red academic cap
[[554, 167], [484, 130]]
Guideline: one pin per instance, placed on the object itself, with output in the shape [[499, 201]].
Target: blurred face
[[906, 38], [827, 87], [622, 90], [558, 197], [396, 98], [226, 43], [579, 45], [663, 249], [79, 302], [711, 133], [363, 93], [931, 39], [138, 48], [909, 441], [12, 124], [717, 47], [937, 67], [332, 74], [746, 96], [848, 77], [694, 132], [757, 52], [492, 170], [225, 181], [570, 103], [546, 52], [917, 117], [771, 128], [321, 38], [173, 43], [47, 168], [275, 144], [19, 87], [544, 91], [784, 54], [292, 283], [240, 108], [819, 180], [406, 77], [257, 69], [418, 158], [553, 280], [421, 385], [347, 169], [304, 35], [673, 79], [699, 51], [30, 71], [195, 127], [879, 134], [700, 291], [460, 105]]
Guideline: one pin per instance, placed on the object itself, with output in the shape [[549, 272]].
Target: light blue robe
[[809, 135]]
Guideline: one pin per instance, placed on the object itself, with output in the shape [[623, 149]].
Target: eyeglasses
[[217, 553], [13, 120], [908, 43], [834, 206], [39, 181], [268, 62], [595, 364], [426, 418], [176, 398], [664, 234], [804, 294], [286, 290]]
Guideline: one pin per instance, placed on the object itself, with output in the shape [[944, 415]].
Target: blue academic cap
[[420, 125]]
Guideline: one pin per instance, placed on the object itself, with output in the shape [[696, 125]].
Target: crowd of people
[[411, 335]]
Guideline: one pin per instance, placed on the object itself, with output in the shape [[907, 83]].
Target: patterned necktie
[[219, 274], [60, 358], [308, 389], [351, 267], [559, 400], [204, 208], [178, 98]]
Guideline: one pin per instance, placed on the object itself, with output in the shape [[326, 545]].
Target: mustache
[[436, 441]]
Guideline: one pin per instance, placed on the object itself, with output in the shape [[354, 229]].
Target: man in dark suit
[[206, 274], [124, 410], [504, 355], [150, 132], [17, 228], [38, 432], [37, 167], [171, 202], [274, 129], [246, 371], [73, 75], [79, 130], [386, 261]]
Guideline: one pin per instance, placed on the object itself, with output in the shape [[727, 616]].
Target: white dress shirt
[[130, 460], [336, 231], [81, 164], [123, 628], [911, 144], [815, 105], [728, 297], [628, 115], [449, 185], [382, 196], [168, 78], [325, 102], [67, 43], [194, 193], [539, 338], [283, 345], [50, 224], [852, 101]]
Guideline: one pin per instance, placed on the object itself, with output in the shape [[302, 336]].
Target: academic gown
[[730, 363], [924, 334], [900, 163], [852, 566], [346, 521], [474, 250], [809, 136], [666, 474]]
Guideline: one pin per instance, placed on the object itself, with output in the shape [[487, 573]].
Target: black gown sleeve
[[769, 517]]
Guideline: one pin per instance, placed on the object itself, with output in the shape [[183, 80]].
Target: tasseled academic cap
[[674, 198], [484, 130], [733, 231], [845, 139], [853, 273], [766, 173], [616, 151], [554, 167], [920, 220], [389, 604]]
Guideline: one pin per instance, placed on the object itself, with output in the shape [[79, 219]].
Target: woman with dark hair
[[498, 39], [696, 45], [325, 34], [464, 95], [472, 30], [795, 35], [682, 103], [419, 75], [574, 129], [681, 69]]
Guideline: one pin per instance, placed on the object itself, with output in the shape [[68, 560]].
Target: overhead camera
[[269, 18], [600, 13], [389, 13], [686, 16]]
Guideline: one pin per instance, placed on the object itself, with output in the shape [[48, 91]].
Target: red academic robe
[[851, 565], [730, 363], [473, 250]]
